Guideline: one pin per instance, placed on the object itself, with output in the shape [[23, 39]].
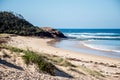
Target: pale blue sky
[[67, 13]]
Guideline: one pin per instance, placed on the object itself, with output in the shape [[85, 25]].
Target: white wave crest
[[94, 33], [101, 47], [91, 35]]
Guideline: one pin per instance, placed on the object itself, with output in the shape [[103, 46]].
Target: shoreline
[[44, 46], [78, 47], [97, 48]]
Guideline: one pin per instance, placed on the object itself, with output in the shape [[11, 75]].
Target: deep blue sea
[[104, 42]]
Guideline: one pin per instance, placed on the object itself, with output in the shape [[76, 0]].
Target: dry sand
[[110, 67]]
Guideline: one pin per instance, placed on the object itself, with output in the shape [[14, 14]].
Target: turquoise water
[[104, 42]]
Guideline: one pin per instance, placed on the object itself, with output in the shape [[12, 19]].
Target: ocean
[[103, 42]]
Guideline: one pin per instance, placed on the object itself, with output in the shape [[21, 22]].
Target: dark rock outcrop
[[53, 33]]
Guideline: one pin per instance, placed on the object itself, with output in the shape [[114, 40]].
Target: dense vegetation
[[15, 24]]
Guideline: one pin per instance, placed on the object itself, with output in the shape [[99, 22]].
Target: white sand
[[41, 45]]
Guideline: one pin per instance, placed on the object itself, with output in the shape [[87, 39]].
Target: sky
[[67, 13]]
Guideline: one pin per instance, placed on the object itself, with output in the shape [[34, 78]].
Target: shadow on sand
[[62, 74], [10, 64]]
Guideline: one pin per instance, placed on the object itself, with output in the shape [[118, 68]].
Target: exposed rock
[[53, 33]]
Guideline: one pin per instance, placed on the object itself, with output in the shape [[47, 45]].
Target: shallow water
[[77, 46], [105, 45]]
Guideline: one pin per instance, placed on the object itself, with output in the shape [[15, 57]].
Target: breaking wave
[[98, 36]]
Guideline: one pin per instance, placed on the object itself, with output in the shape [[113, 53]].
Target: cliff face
[[15, 24]]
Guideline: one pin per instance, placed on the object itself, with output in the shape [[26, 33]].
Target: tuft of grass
[[77, 71], [33, 57], [92, 72], [66, 64], [40, 61], [13, 49], [60, 61]]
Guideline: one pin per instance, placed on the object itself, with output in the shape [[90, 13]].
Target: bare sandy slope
[[107, 66]]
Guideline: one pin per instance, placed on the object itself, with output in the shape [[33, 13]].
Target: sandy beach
[[110, 67], [43, 45]]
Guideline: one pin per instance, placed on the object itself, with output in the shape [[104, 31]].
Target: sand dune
[[109, 67]]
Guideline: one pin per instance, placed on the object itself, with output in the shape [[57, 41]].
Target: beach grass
[[44, 62], [91, 72], [77, 71], [60, 61], [33, 57]]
